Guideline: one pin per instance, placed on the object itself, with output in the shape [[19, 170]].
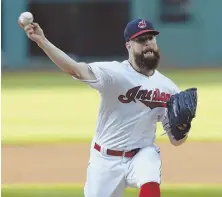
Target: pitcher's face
[[145, 51]]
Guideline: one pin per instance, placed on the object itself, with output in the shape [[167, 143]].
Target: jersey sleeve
[[104, 73], [174, 89]]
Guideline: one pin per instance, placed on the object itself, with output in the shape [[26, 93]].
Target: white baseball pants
[[107, 176]]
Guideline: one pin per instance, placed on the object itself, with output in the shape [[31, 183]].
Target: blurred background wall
[[92, 30]]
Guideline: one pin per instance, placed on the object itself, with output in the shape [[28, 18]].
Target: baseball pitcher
[[134, 97]]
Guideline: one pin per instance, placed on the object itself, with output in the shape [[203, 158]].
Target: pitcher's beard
[[147, 63]]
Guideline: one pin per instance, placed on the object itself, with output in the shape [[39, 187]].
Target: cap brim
[[154, 32]]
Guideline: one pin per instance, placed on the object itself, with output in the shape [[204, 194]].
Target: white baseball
[[26, 18]]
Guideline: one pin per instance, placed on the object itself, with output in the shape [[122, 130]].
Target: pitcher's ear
[[128, 45]]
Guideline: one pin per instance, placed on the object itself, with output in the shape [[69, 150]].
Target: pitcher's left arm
[[167, 129]]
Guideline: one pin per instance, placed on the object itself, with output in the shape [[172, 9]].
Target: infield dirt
[[193, 162]]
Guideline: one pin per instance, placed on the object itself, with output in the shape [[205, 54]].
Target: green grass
[[73, 191], [52, 107], [46, 80]]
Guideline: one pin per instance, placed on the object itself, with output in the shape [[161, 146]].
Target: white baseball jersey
[[131, 104]]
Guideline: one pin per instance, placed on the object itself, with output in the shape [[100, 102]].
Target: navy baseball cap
[[138, 27]]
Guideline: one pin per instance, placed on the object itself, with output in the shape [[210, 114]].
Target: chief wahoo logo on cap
[[142, 24]]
